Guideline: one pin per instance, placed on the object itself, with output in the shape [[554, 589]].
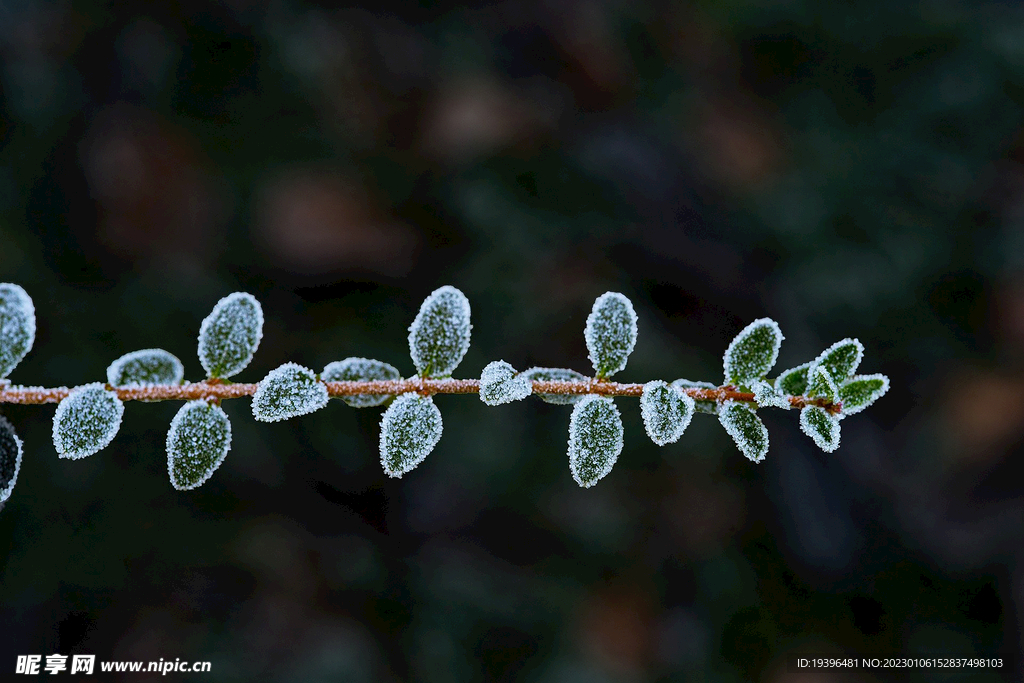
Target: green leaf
[[841, 359], [861, 391], [818, 424], [701, 405], [230, 335], [793, 382], [145, 368], [556, 375], [361, 370], [666, 410], [197, 443], [86, 421], [10, 458], [439, 336], [500, 383], [17, 326], [821, 384], [752, 353], [745, 428], [595, 439], [288, 391], [409, 430], [767, 396], [610, 333]]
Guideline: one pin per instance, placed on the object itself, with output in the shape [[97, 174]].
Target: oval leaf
[[409, 430], [145, 368], [821, 385], [595, 439], [666, 410], [701, 405], [17, 326], [360, 370], [288, 391], [745, 428], [230, 335], [556, 375], [861, 391], [197, 442], [610, 333], [841, 359], [767, 396], [499, 383], [753, 352], [10, 458], [439, 336], [818, 424], [793, 382], [86, 421]]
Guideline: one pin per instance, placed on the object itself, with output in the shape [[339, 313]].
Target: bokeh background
[[848, 169]]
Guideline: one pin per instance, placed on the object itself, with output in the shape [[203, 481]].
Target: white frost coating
[[752, 352], [439, 336], [288, 391], [86, 421], [409, 430], [555, 375], [767, 396], [145, 368], [820, 384], [703, 405], [499, 383], [841, 359], [745, 428], [610, 333], [230, 335], [10, 458], [595, 439], [860, 391], [666, 411], [820, 426], [17, 326], [355, 369], [197, 443]]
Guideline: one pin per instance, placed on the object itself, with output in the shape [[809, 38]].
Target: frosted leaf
[[197, 443], [360, 370], [666, 410], [230, 335], [793, 382], [288, 391], [556, 375], [767, 396], [87, 419], [752, 353], [17, 326], [701, 405], [841, 359], [595, 439], [610, 333], [145, 368], [818, 424], [499, 383], [821, 385], [409, 430], [439, 336], [745, 428], [10, 458], [861, 391]]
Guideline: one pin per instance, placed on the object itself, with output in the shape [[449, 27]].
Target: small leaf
[[499, 383], [767, 396], [145, 368], [818, 424], [10, 458], [288, 391], [17, 326], [793, 382], [595, 439], [409, 430], [821, 384], [556, 375], [197, 443], [746, 429], [666, 410], [861, 391], [439, 336], [841, 359], [610, 333], [361, 370], [753, 352], [86, 421], [702, 405], [230, 335]]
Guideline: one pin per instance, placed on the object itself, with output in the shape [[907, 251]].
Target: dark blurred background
[[849, 169]]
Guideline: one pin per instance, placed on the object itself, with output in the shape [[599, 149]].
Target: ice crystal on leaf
[[702, 405], [17, 326], [556, 375], [145, 368], [821, 385], [86, 421], [288, 391], [841, 359], [230, 335], [197, 443], [767, 396], [10, 458], [858, 392], [361, 370], [409, 430], [818, 424], [752, 353], [610, 333], [745, 428], [595, 439], [499, 383], [666, 410], [439, 336], [793, 382]]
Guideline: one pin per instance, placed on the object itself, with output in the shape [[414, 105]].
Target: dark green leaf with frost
[[841, 359], [17, 326], [861, 391], [793, 382], [767, 396], [666, 410], [610, 333], [595, 439], [409, 430], [361, 370], [500, 383], [821, 426], [752, 353], [197, 443], [439, 336], [745, 428], [288, 391], [10, 458], [700, 404], [821, 385], [87, 419], [145, 368], [230, 335], [556, 375]]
